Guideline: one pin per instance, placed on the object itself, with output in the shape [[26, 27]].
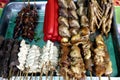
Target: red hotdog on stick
[[55, 32], [45, 22], [50, 17], [49, 20]]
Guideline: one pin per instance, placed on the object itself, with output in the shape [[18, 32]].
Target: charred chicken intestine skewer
[[102, 62]]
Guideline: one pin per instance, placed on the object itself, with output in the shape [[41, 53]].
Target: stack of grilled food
[[26, 22], [77, 52]]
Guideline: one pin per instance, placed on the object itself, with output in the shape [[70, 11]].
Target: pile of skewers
[[33, 59], [79, 53], [21, 59], [26, 22]]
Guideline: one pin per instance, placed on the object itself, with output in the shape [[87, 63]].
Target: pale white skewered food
[[22, 55], [49, 57], [32, 60]]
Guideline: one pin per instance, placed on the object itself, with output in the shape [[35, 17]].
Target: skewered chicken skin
[[63, 12], [63, 3], [63, 21], [74, 23], [64, 31], [71, 5], [72, 14]]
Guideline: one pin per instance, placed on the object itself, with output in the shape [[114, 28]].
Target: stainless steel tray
[[10, 13]]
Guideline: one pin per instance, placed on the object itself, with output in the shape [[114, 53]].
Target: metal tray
[[7, 25]]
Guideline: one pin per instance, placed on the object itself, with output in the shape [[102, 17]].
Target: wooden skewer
[[2, 76], [29, 3], [58, 77], [66, 77], [10, 72], [90, 75], [41, 72], [99, 77], [23, 75], [34, 4], [109, 77], [16, 75], [51, 70], [49, 64], [31, 76], [20, 75], [24, 2], [51, 76], [26, 77], [35, 76], [73, 78], [47, 75]]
